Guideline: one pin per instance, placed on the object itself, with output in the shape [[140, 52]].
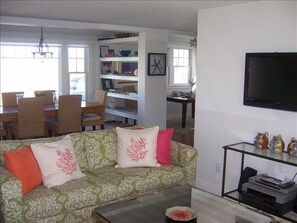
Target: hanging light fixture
[[43, 49]]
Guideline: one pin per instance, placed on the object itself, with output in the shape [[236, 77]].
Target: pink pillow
[[163, 146]]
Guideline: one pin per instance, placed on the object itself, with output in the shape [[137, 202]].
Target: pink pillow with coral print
[[163, 147], [57, 162], [137, 148]]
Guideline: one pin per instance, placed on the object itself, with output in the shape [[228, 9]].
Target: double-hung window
[[19, 71], [77, 70], [180, 61]]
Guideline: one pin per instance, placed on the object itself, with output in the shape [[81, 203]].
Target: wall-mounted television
[[271, 80]]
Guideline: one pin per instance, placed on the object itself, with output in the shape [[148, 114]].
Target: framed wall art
[[107, 84], [104, 51], [107, 68], [156, 64]]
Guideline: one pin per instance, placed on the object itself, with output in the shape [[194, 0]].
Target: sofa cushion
[[57, 162], [100, 148], [137, 148], [103, 185], [23, 165], [136, 180], [79, 143], [90, 190]]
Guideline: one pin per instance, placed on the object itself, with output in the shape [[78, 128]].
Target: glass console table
[[249, 149]]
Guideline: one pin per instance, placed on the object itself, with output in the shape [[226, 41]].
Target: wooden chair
[[69, 116], [99, 118], [2, 132], [30, 123], [48, 96], [9, 99]]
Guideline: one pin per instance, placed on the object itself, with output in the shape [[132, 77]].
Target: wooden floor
[[180, 134]]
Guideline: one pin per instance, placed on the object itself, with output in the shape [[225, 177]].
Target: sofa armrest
[[10, 197], [186, 157]]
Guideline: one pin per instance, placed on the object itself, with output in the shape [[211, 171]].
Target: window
[[77, 70], [21, 72], [179, 66]]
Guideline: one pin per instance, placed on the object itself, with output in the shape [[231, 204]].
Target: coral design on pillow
[[66, 162], [137, 149]]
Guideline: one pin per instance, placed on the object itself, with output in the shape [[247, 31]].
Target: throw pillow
[[163, 146], [23, 165], [57, 162], [137, 147]]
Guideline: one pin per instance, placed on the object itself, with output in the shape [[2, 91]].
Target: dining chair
[[69, 116], [98, 118], [9, 99], [48, 96], [130, 104], [30, 122], [2, 132]]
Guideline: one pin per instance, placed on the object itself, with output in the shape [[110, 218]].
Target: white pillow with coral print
[[57, 162], [137, 148]]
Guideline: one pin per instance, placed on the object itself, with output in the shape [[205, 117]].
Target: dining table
[[184, 101], [10, 114]]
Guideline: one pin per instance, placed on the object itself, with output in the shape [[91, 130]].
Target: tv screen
[[271, 80]]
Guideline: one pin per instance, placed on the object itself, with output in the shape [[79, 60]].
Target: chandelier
[[43, 49]]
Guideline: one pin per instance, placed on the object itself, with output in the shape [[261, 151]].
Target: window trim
[[170, 66], [86, 67]]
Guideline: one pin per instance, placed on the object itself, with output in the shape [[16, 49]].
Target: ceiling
[[170, 15]]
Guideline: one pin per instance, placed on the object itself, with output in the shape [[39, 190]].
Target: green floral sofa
[[75, 201]]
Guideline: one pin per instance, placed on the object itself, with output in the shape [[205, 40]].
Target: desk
[[10, 114], [184, 102]]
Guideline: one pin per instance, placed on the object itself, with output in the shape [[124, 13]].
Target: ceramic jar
[[261, 140], [277, 144], [292, 147]]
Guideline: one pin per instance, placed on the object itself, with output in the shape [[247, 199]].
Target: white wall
[[224, 36], [152, 98]]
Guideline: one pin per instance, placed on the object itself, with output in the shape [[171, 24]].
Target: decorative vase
[[292, 147], [261, 140], [277, 144]]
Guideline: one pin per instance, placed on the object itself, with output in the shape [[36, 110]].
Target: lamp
[[43, 49]]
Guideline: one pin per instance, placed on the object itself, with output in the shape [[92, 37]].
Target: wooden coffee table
[[151, 208]]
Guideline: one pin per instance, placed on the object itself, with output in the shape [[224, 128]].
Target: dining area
[[47, 115]]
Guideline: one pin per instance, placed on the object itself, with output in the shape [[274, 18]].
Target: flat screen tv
[[271, 80]]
